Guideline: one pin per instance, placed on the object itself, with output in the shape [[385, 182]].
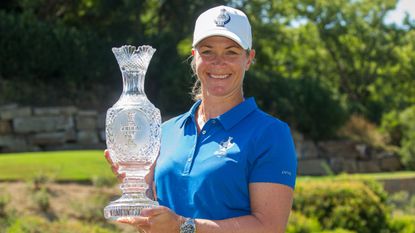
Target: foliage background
[[317, 62]]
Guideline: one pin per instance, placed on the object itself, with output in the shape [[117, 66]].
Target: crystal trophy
[[133, 133]]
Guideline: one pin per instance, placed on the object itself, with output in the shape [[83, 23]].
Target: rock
[[307, 150], [39, 124], [49, 138], [363, 150], [11, 143], [88, 137], [345, 149], [390, 163], [368, 166], [102, 136], [313, 167], [55, 111], [340, 164], [101, 121], [9, 113], [5, 127], [86, 120]]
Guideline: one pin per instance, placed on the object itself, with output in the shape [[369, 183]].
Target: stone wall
[[68, 128], [342, 156], [50, 128]]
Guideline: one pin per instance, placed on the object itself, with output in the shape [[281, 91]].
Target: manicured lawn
[[59, 165], [375, 176], [86, 164]]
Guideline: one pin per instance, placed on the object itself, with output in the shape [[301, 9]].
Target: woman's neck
[[212, 107]]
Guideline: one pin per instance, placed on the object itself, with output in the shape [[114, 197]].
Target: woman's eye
[[231, 52], [206, 52]]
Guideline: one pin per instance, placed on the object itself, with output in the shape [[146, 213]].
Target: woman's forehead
[[219, 41]]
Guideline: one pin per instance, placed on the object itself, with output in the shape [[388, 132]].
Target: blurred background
[[340, 72]]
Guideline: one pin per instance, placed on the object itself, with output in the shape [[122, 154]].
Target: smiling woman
[[225, 165]]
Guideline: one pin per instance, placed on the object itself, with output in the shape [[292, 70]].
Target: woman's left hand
[[155, 220]]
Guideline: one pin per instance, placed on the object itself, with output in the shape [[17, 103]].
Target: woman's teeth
[[219, 76]]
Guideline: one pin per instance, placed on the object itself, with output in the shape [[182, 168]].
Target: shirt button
[[189, 159], [204, 132]]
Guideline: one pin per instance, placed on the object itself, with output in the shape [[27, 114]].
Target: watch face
[[188, 229], [188, 226]]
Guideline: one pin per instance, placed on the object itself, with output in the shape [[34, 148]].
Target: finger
[[149, 177], [120, 176], [154, 191], [107, 156], [150, 193], [151, 212], [114, 168], [135, 221]]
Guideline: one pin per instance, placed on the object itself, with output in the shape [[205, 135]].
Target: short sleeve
[[274, 158]]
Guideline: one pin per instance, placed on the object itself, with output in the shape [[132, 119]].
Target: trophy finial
[[134, 59]]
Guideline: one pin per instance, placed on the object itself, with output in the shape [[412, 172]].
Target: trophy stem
[[133, 199], [133, 83]]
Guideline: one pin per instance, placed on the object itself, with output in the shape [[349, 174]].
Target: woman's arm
[[270, 204]]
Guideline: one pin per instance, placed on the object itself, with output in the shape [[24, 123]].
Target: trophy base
[[127, 206]]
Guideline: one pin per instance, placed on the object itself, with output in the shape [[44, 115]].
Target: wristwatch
[[189, 226]]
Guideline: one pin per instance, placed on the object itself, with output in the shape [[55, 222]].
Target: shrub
[[40, 180], [349, 204], [4, 199], [104, 181], [305, 103], [41, 200], [5, 216], [401, 129], [298, 223], [402, 224], [49, 55], [358, 128], [34, 224], [338, 230], [92, 209]]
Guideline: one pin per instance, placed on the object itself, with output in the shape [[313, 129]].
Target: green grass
[[59, 165], [86, 164], [374, 176]]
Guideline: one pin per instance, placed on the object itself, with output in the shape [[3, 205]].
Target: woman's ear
[[250, 59]]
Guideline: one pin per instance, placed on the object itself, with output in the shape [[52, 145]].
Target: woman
[[224, 166]]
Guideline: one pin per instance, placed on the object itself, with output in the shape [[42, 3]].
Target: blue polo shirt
[[207, 175]]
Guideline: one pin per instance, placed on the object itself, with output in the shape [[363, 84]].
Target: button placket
[[191, 155]]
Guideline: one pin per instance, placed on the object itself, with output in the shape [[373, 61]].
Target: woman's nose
[[218, 60]]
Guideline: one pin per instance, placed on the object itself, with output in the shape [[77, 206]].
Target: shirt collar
[[190, 115], [237, 113], [229, 118]]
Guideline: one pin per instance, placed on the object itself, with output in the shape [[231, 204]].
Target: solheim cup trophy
[[133, 133]]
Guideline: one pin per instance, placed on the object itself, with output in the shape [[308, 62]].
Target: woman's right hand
[[149, 178], [114, 166]]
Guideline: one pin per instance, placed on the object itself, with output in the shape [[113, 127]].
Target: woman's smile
[[219, 76]]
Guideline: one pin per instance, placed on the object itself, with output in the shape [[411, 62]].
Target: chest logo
[[224, 146]]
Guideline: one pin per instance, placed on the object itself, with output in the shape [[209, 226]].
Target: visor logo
[[223, 18]]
